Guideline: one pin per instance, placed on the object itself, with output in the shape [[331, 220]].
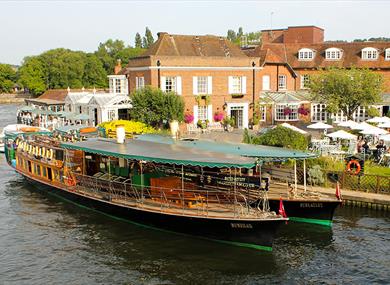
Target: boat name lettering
[[241, 226], [311, 205]]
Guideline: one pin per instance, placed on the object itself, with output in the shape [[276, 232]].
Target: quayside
[[139, 182]]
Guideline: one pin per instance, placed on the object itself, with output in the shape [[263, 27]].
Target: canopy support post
[[235, 194], [295, 176], [304, 175], [182, 177]]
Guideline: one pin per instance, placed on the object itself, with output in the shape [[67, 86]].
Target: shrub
[[282, 137], [132, 127]]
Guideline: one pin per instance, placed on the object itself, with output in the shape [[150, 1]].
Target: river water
[[44, 240]]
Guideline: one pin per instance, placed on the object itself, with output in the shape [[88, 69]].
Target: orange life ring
[[357, 165]]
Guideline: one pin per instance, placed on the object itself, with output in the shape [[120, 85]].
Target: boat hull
[[257, 234], [308, 211]]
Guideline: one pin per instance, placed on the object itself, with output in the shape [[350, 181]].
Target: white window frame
[[237, 84], [306, 54], [266, 84], [263, 112], [387, 54], [304, 80], [279, 112], [318, 112], [282, 82], [370, 53], [333, 54], [139, 82], [203, 112], [170, 82], [118, 86]]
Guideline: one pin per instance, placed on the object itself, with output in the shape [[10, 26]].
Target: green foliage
[[32, 75], [346, 89], [138, 40], [315, 175], [94, 73], [252, 37], [148, 39], [282, 137], [373, 112], [7, 78], [155, 107]]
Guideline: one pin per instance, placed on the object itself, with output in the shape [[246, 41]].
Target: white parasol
[[384, 125], [386, 138], [373, 131], [320, 126], [348, 124], [342, 135], [379, 120], [362, 126], [294, 128]]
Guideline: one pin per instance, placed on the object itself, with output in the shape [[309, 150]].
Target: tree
[[148, 39], [32, 75], [346, 89], [107, 52], [7, 78], [94, 73], [138, 40], [280, 137], [231, 35], [155, 107]]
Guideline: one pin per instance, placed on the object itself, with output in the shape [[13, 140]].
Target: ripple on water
[[48, 241]]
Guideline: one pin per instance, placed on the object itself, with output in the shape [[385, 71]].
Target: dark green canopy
[[161, 153], [263, 152]]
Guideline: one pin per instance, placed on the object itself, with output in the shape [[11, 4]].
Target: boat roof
[[265, 153], [161, 153]]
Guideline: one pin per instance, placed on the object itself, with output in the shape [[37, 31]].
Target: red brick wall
[[309, 34]]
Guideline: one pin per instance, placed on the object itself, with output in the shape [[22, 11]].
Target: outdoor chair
[[215, 126], [193, 129]]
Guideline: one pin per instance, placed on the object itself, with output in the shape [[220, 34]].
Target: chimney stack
[[118, 66]]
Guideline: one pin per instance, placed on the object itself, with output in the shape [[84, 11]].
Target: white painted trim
[[210, 85], [178, 85], [195, 85], [143, 68], [245, 113]]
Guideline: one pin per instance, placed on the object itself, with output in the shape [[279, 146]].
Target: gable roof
[[351, 54], [192, 45]]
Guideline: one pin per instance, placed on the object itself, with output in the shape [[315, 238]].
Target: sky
[[31, 27]]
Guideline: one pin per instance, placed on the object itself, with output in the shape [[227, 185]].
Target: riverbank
[[13, 98]]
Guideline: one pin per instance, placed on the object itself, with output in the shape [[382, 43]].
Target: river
[[45, 240]]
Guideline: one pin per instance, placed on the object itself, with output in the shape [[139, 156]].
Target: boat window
[[61, 176], [49, 173], [38, 170], [44, 172], [29, 166], [59, 154], [56, 175]]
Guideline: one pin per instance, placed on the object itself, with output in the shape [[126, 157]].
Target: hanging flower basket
[[287, 111], [188, 118], [303, 111], [218, 116]]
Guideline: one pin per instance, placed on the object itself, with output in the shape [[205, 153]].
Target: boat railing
[[188, 201]]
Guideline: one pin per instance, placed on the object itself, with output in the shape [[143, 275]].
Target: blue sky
[[30, 27]]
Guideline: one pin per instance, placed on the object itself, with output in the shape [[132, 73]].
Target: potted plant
[[228, 123], [201, 124]]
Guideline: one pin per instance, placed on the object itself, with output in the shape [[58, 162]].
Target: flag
[[281, 209], [338, 192]]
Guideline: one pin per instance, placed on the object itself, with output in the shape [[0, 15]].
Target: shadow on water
[[152, 253]]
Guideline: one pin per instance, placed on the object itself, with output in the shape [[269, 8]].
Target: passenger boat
[[169, 187], [305, 206]]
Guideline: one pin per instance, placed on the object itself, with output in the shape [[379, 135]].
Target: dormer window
[[333, 53], [387, 54], [369, 53], [306, 54]]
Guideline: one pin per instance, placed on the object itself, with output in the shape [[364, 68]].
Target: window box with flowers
[[237, 95], [199, 99], [303, 113], [287, 111]]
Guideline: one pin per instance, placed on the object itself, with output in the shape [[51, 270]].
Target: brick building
[[213, 75], [304, 50]]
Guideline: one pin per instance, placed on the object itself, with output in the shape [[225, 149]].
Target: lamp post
[[158, 74], [253, 92]]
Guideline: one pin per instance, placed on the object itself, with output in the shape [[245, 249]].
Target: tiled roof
[[192, 45], [351, 54]]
